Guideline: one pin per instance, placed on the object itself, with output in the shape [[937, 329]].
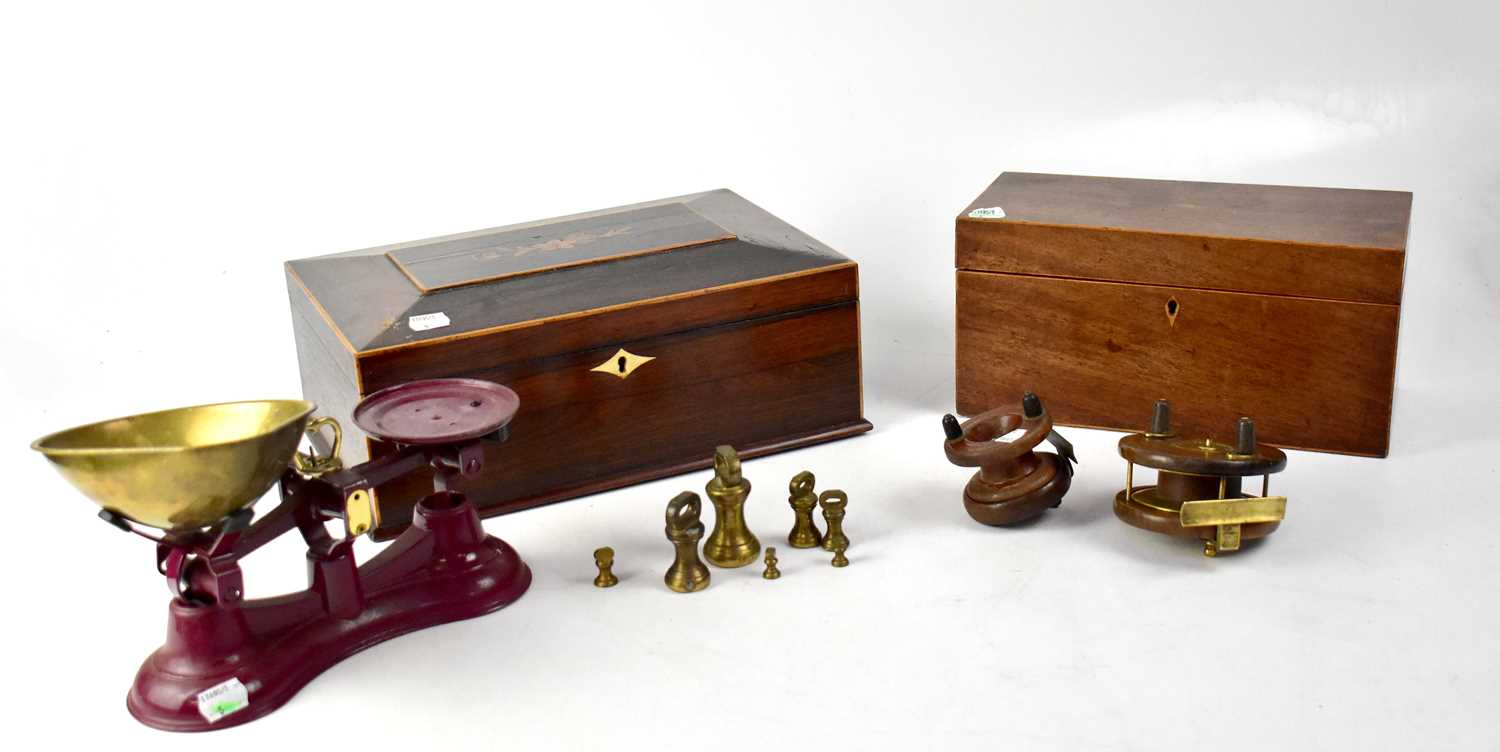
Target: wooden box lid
[[521, 275], [1326, 243]]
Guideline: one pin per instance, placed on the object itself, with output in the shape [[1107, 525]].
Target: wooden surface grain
[[712, 240], [1314, 374], [1292, 214], [613, 327], [330, 378], [1311, 242], [1276, 267], [509, 253], [773, 382], [753, 328]]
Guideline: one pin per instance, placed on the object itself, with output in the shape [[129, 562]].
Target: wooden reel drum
[[1197, 492], [1014, 483]]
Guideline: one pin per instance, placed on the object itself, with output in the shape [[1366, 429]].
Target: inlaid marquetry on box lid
[[651, 332], [1103, 294]]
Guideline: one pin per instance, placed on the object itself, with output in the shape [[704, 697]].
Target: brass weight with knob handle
[[687, 574], [361, 512], [730, 543], [309, 463]]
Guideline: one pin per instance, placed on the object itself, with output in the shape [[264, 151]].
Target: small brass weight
[[804, 532], [833, 502], [684, 529], [604, 559], [771, 572], [731, 544]]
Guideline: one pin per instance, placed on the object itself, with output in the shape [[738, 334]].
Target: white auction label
[[222, 699], [425, 321], [992, 212]]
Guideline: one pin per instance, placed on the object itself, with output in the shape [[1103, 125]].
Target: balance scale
[[186, 480]]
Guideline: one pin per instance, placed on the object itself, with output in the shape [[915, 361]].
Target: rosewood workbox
[[1102, 294], [638, 338]]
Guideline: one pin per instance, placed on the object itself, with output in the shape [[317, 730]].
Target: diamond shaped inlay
[[622, 363]]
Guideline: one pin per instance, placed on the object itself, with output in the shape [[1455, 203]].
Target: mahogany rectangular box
[[1103, 294], [638, 338]]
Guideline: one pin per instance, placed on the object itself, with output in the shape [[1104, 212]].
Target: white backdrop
[[159, 161]]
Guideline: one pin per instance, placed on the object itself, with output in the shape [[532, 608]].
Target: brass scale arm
[[202, 564]]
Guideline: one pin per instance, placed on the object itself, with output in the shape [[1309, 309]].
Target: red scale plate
[[436, 411]]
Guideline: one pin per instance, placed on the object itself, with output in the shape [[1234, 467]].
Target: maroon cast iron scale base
[[443, 568]]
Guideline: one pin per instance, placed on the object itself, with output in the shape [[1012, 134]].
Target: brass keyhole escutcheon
[[1173, 307], [622, 363]]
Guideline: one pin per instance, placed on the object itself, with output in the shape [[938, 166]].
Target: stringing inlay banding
[[530, 250]]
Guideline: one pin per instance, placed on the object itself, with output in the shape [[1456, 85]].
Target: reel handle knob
[[1245, 437], [1031, 406], [1161, 419], [951, 428]]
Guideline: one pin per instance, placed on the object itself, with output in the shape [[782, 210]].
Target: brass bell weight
[[771, 572], [1198, 485], [684, 529], [1014, 483], [731, 544], [803, 499], [604, 560], [834, 504]]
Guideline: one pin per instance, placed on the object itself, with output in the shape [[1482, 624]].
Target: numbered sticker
[[992, 212], [223, 699], [425, 321]]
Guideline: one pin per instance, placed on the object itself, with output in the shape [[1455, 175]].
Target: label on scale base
[[222, 699]]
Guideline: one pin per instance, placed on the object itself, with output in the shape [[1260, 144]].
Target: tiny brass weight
[[684, 529], [1197, 492], [771, 572], [1014, 483], [731, 544], [604, 559], [805, 532], [834, 502], [839, 559]]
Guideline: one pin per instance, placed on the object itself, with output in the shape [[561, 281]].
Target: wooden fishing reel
[[1197, 492], [1014, 483]]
